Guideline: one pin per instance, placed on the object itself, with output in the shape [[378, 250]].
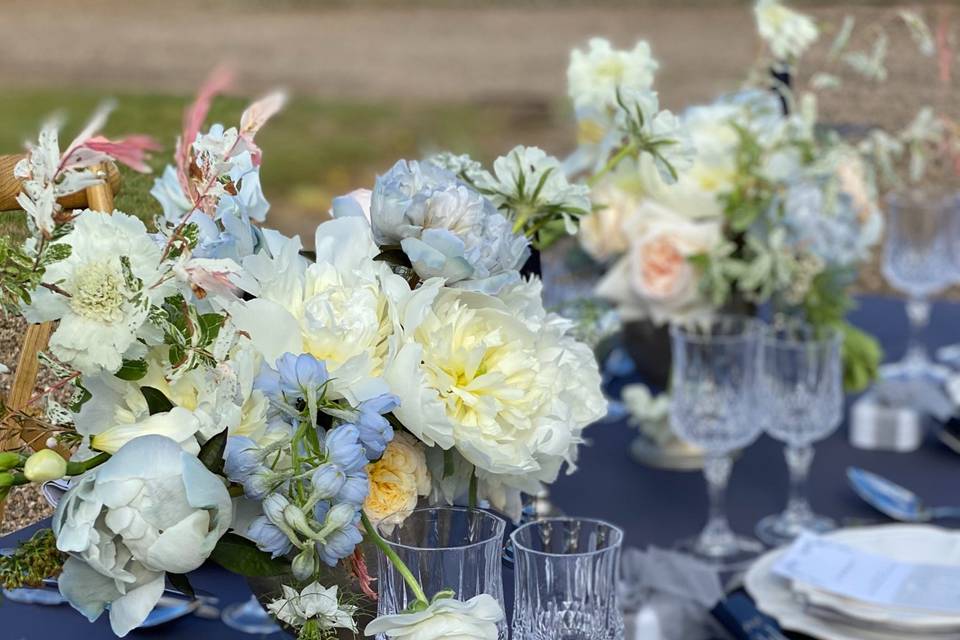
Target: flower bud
[[305, 564], [297, 520], [44, 465], [6, 480], [10, 460], [338, 517]]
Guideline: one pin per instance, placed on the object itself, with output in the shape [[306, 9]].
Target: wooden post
[[10, 186], [99, 198]]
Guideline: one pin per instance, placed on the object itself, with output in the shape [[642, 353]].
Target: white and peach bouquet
[[235, 401], [750, 201]]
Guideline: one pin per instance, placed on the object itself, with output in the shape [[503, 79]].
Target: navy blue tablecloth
[[653, 506]]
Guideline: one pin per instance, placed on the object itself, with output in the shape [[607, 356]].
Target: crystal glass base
[[778, 530], [734, 553], [915, 366], [249, 617]]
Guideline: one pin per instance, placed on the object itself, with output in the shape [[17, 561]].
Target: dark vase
[[649, 344], [532, 266]]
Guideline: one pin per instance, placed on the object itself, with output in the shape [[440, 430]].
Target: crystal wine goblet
[[801, 394], [917, 260], [713, 406]]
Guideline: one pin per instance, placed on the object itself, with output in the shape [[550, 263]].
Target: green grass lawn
[[313, 150]]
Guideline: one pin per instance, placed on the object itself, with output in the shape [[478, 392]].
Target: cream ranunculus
[[655, 279], [444, 619], [344, 309], [151, 508], [101, 321], [502, 381], [397, 480]]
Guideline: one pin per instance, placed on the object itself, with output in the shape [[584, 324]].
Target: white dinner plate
[[926, 544]]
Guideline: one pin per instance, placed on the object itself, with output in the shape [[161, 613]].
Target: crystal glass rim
[[519, 545], [751, 328], [500, 527], [832, 335]]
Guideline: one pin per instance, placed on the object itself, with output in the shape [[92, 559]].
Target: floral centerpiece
[[234, 401]]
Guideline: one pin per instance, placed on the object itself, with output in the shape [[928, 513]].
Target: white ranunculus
[[655, 279], [101, 320], [151, 508], [501, 380], [344, 309], [787, 32], [314, 602], [444, 619], [595, 75]]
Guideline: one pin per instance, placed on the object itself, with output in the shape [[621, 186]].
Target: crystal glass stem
[[717, 534], [918, 313], [798, 458]]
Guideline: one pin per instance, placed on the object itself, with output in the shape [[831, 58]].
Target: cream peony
[[151, 508], [103, 314], [397, 480], [595, 74], [502, 381], [344, 309], [787, 32], [445, 619], [655, 279]]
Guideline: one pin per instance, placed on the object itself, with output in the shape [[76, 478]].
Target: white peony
[[151, 508], [655, 279], [787, 32], [105, 310], [445, 619], [344, 309], [313, 602], [501, 380], [595, 75]]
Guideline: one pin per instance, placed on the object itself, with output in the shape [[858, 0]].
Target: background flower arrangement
[[236, 401], [775, 207]]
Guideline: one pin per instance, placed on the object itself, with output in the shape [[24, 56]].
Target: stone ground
[[424, 52]]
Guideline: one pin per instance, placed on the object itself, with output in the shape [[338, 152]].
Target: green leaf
[[132, 370], [241, 556], [210, 324], [180, 582], [156, 401], [211, 453]]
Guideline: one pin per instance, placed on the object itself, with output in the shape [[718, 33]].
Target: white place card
[[849, 572]]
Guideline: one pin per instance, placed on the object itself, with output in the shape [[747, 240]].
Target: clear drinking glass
[[713, 406], [445, 548], [801, 395], [917, 260], [565, 580]]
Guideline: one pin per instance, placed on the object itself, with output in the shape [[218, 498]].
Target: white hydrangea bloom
[[501, 380], [103, 314], [788, 33], [595, 74]]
